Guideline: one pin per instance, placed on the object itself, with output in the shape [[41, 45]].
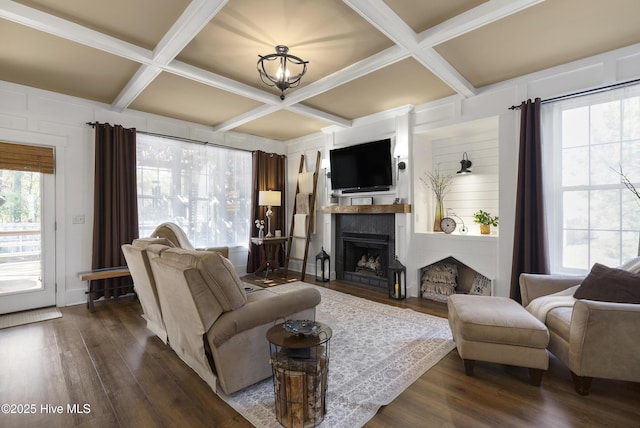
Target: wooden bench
[[97, 274]]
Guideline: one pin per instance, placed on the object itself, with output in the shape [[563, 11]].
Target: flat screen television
[[362, 168]]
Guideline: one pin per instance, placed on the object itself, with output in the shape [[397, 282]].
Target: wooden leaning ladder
[[310, 218]]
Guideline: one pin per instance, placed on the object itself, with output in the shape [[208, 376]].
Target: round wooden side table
[[300, 364]]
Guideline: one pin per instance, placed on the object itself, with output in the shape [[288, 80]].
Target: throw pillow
[[610, 285], [438, 288], [441, 272], [481, 285]]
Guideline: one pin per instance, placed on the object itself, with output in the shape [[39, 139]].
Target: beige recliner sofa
[[138, 253], [593, 338], [213, 324]]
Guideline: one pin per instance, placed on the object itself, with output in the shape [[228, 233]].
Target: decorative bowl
[[301, 327]]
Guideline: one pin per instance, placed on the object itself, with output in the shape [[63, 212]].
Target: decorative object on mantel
[[438, 183], [282, 76], [465, 164], [448, 225], [439, 281], [362, 201], [367, 209], [463, 229], [397, 280], [323, 261], [260, 226], [485, 220]]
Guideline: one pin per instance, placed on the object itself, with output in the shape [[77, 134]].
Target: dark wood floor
[[127, 377]]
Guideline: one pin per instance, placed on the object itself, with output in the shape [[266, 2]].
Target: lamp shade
[[269, 198]]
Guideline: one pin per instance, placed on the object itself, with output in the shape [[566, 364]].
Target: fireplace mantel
[[367, 209]]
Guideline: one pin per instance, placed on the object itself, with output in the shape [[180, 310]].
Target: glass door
[[27, 248]]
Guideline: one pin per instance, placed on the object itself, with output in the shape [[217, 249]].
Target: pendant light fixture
[[281, 69]]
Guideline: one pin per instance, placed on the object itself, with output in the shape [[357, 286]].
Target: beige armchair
[[213, 324], [593, 338]]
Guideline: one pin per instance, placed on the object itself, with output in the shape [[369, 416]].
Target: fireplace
[[366, 258], [365, 245]]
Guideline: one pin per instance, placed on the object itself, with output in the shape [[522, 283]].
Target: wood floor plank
[[129, 378]]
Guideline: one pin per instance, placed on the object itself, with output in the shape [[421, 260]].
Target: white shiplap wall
[[467, 193]]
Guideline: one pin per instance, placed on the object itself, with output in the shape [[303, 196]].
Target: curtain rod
[[186, 140], [587, 92]]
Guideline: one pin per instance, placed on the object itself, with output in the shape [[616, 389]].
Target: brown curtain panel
[[115, 209], [529, 243], [269, 173]]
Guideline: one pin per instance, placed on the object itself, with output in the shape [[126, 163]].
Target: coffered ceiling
[[196, 60]]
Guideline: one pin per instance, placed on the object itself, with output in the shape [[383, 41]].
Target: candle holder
[[323, 263], [397, 280]]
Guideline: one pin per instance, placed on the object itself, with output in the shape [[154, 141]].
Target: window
[[204, 189], [592, 216]]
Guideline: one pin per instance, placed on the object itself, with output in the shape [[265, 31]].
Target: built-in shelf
[[367, 209]]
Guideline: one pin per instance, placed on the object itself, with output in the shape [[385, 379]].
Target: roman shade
[[22, 157]]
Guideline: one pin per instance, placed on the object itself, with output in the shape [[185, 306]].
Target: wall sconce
[[325, 164], [401, 167], [465, 164]]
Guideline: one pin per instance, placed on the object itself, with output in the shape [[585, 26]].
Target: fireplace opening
[[366, 258]]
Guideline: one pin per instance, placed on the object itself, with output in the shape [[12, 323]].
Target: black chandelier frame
[[281, 81]]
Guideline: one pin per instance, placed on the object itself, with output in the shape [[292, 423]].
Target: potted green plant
[[485, 220]]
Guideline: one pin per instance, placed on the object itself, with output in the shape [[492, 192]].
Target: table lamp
[[269, 198]]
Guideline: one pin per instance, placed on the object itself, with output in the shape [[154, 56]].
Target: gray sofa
[[595, 339]]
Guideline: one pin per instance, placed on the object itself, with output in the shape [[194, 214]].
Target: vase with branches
[[438, 182], [628, 184]]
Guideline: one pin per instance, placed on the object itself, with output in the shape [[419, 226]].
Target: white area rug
[[376, 352], [26, 317]]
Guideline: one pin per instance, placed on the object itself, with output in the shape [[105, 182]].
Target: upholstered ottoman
[[498, 330]]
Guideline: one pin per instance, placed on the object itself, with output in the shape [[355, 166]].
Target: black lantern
[[397, 280], [322, 271]]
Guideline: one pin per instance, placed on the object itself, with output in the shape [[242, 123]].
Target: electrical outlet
[[78, 219]]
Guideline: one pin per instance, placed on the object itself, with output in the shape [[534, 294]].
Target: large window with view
[[592, 146], [205, 189]]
